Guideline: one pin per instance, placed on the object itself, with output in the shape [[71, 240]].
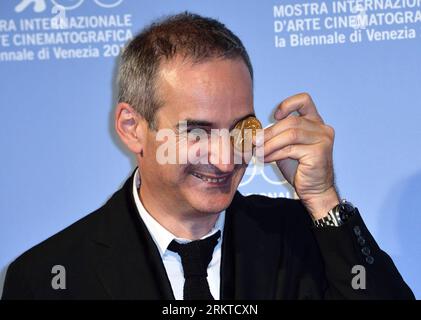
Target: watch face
[[337, 216], [346, 209]]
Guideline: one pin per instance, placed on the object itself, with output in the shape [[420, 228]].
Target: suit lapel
[[126, 259], [251, 252]]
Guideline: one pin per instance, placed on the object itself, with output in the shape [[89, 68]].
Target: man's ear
[[129, 127]]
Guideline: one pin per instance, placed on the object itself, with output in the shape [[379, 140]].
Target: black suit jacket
[[269, 251]]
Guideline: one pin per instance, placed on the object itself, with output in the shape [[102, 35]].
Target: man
[[182, 230]]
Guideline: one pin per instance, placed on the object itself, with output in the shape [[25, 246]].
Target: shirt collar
[[161, 236]]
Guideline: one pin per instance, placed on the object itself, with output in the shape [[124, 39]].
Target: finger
[[289, 123], [292, 151], [289, 137], [301, 103]]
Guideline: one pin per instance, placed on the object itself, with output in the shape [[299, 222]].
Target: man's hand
[[309, 141]]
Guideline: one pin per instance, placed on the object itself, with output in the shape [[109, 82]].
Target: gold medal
[[245, 130]]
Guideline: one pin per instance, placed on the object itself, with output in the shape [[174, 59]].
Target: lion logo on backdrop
[[53, 30], [41, 5]]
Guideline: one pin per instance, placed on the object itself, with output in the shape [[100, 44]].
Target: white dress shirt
[[172, 261]]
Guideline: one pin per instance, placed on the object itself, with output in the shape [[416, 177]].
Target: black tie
[[195, 258]]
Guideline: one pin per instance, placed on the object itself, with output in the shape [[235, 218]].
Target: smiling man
[[181, 230]]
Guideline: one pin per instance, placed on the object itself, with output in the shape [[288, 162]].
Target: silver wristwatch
[[337, 216]]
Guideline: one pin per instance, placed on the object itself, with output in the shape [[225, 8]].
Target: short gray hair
[[189, 35]]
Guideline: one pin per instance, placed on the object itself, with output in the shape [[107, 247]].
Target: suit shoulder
[[31, 269], [290, 211], [67, 240], [265, 201], [280, 205], [72, 247]]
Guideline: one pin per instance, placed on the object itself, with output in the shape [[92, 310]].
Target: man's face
[[215, 94]]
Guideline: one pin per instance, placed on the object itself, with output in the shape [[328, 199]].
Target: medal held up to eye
[[244, 131]]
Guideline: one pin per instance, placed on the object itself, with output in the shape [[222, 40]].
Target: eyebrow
[[204, 123]]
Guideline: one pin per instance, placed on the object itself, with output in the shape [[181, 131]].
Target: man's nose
[[221, 154]]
